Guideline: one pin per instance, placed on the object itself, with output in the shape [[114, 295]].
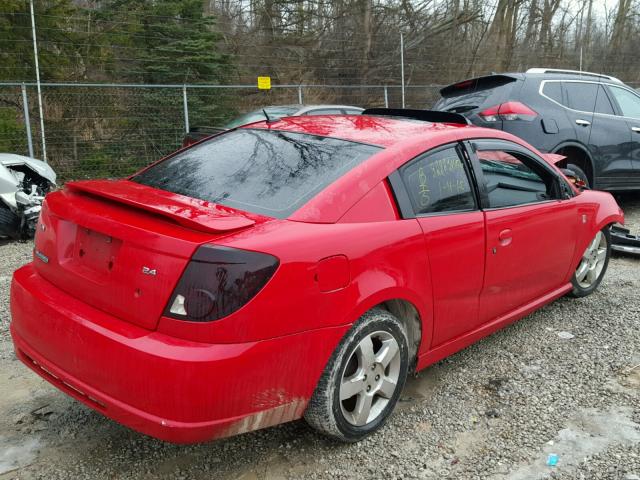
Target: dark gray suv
[[592, 119]]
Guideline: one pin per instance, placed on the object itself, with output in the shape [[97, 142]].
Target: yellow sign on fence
[[264, 83]]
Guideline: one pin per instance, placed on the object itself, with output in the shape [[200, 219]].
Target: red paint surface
[[93, 319]]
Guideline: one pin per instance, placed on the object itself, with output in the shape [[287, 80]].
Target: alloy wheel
[[370, 378], [592, 262]]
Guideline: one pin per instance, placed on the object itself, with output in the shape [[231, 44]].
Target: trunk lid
[[121, 247]]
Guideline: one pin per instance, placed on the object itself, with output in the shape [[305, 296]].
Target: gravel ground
[[565, 381]]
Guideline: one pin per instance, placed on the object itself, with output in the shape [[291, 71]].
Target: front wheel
[[593, 265], [363, 379], [9, 223]]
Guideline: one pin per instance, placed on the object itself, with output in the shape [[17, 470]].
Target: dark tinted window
[[603, 105], [438, 182], [512, 178], [266, 172], [553, 90], [472, 94], [587, 97]]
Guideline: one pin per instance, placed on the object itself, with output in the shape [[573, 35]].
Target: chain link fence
[[110, 130]]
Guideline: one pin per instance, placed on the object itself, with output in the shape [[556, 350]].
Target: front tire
[[363, 380], [9, 223], [593, 265]]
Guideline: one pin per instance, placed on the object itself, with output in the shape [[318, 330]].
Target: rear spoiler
[[433, 116], [478, 83], [188, 212]]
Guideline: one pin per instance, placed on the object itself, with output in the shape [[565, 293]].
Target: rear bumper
[[169, 388]]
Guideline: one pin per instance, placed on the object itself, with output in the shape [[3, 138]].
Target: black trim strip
[[401, 195]]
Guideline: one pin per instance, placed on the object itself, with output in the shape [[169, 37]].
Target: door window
[[629, 102], [588, 97], [512, 178], [438, 182]]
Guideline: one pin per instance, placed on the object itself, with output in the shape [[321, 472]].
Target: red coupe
[[300, 267]]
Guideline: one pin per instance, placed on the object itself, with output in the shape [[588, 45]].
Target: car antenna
[[269, 119]]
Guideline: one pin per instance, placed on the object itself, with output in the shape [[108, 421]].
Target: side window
[[351, 111], [603, 105], [629, 102], [587, 97], [553, 90], [512, 178], [438, 182]]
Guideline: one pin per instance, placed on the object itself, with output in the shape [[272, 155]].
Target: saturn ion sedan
[[300, 267]]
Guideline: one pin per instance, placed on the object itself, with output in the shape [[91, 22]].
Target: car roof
[[543, 74], [571, 75], [374, 130]]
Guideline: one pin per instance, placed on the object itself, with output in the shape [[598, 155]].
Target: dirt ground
[[564, 381]]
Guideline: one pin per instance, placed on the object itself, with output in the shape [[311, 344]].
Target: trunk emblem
[[149, 271], [41, 256]]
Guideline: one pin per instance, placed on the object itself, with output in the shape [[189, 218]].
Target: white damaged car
[[24, 182]]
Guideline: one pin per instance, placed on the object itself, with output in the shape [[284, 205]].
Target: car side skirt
[[463, 341]]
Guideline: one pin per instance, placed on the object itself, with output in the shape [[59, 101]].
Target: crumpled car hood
[[38, 166]]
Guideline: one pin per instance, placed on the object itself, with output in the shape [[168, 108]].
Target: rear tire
[[363, 380], [593, 265], [579, 173], [9, 223]]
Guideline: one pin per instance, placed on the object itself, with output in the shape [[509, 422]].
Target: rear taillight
[[218, 281], [508, 111]]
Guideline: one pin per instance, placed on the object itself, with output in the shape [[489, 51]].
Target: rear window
[[261, 171], [470, 95], [258, 116]]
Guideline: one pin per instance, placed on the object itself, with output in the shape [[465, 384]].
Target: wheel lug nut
[[373, 367], [377, 377], [365, 376], [368, 388]]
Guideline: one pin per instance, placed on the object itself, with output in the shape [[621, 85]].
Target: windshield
[[261, 171], [258, 115]]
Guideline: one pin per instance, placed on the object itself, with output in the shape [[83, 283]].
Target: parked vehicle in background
[[299, 267], [24, 182], [591, 119], [275, 111]]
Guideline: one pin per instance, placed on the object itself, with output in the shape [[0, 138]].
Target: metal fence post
[[300, 98], [35, 55], [386, 97], [402, 65], [185, 103], [27, 121]]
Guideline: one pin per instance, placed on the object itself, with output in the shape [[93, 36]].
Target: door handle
[[505, 237], [635, 129], [582, 123]]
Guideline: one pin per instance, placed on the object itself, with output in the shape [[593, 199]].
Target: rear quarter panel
[[386, 260]]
